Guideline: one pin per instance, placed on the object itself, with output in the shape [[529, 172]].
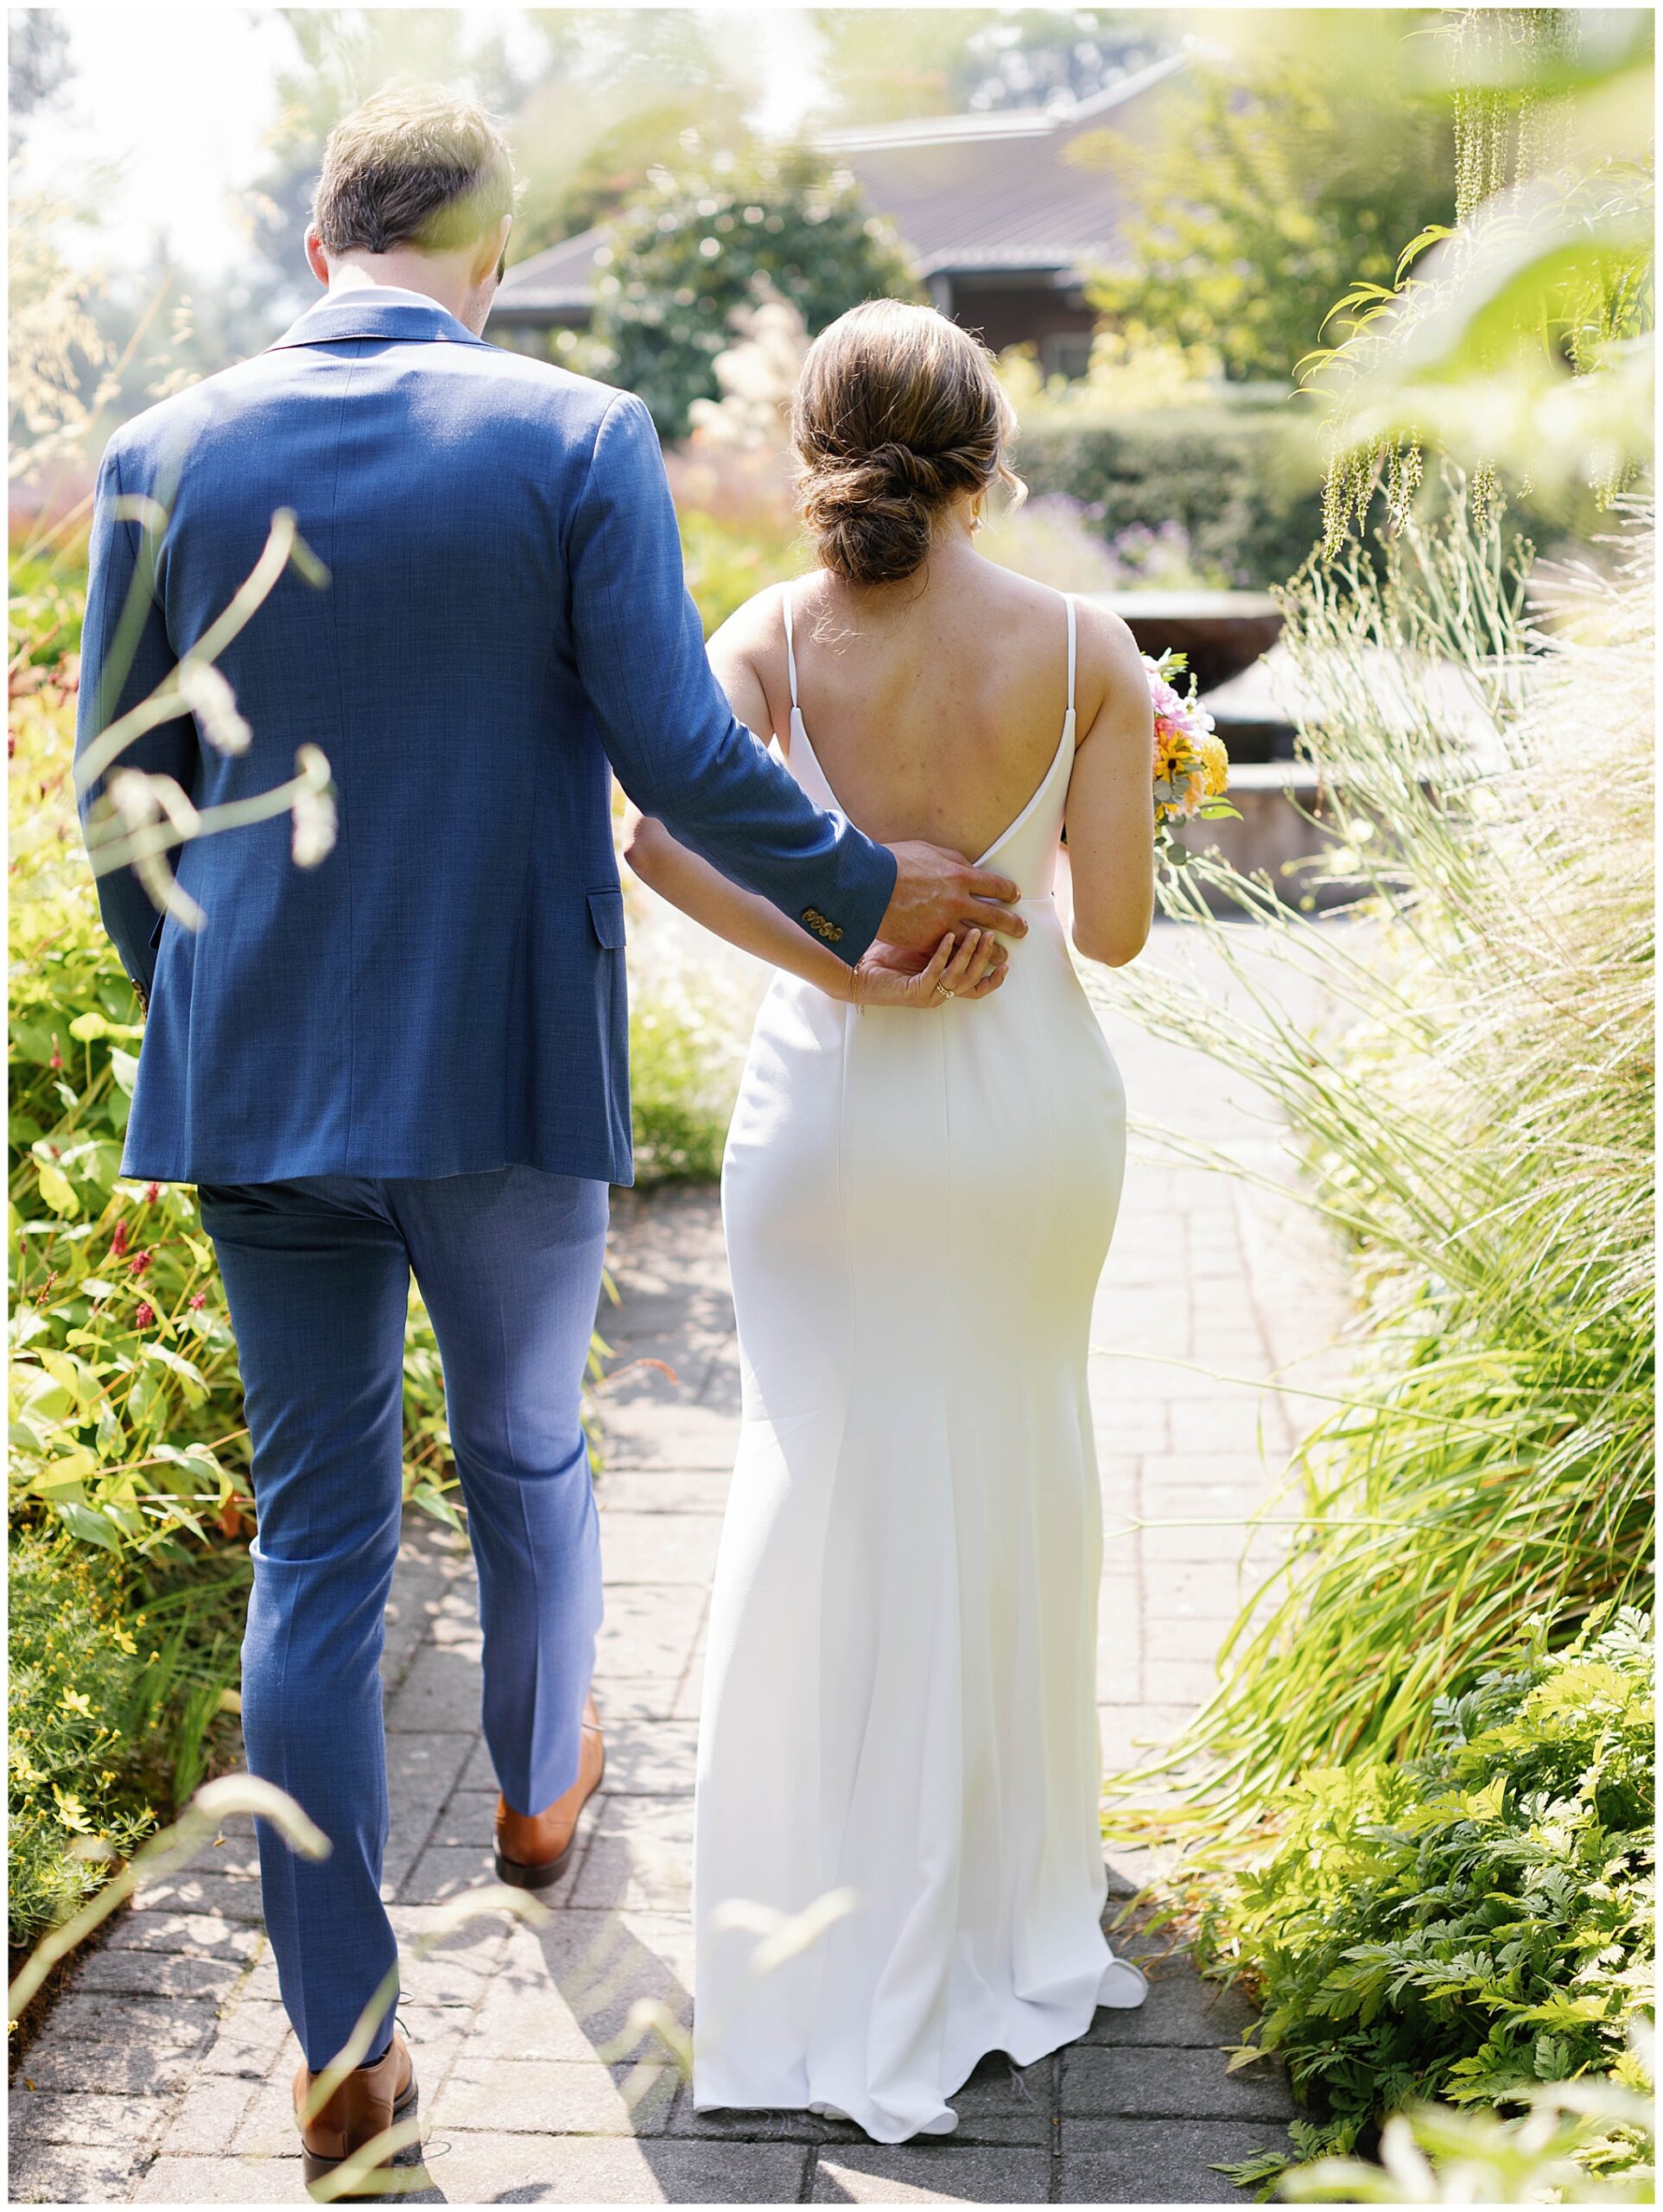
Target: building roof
[[558, 281], [969, 194], [1001, 191]]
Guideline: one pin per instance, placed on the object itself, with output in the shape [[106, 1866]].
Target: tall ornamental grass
[[1475, 1120], [1414, 1820]]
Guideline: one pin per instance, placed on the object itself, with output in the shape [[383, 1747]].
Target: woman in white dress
[[899, 1732]]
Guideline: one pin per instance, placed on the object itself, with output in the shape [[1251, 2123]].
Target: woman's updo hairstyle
[[895, 410]]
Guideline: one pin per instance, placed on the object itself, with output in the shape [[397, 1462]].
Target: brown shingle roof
[[559, 280], [999, 191], [967, 193]]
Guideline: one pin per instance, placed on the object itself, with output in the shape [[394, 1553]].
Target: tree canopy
[[342, 56], [883, 63], [696, 243], [1282, 174]]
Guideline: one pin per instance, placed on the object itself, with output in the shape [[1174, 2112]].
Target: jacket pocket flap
[[606, 912]]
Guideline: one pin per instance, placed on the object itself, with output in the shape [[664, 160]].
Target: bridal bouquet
[[1192, 769]]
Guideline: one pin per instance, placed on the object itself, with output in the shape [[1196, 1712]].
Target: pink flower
[[119, 1242], [140, 1262], [152, 1192], [144, 1317], [198, 1301]]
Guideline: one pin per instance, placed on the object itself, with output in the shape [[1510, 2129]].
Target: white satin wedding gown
[[899, 1722]]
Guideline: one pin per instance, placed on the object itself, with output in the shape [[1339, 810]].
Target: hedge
[[1229, 476]]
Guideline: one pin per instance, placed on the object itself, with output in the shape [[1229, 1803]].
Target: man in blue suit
[[414, 1054]]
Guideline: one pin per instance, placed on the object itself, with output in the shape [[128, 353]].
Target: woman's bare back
[[934, 708]]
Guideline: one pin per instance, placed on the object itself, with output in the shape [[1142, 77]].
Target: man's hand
[[937, 891]]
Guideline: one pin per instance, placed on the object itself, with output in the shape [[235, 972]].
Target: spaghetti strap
[[791, 651], [1068, 601]]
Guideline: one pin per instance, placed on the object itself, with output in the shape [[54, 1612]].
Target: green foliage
[[1278, 174], [1475, 1110], [1517, 339], [1474, 1107], [1225, 476], [727, 561], [127, 1426], [884, 64], [1582, 2142], [625, 89], [692, 246], [682, 1094], [127, 1423], [342, 55], [71, 1762], [1470, 1923], [115, 1680]]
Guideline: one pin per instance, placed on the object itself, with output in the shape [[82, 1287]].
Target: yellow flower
[[1216, 762], [78, 1702], [71, 1811], [1172, 746]]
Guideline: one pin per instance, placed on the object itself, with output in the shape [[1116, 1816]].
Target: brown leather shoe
[[532, 1847], [366, 2105]]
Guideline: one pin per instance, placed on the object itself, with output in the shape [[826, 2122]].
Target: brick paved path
[[162, 2078]]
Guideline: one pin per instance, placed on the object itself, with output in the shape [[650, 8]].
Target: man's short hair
[[412, 167]]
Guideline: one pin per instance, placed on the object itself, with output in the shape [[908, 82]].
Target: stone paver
[[162, 2076]]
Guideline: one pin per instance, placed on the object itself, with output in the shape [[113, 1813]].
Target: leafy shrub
[[682, 1103], [692, 998], [72, 1760], [126, 1410], [1283, 173], [115, 1682], [1056, 540], [1583, 2142], [1224, 475], [1474, 1109], [688, 250], [127, 1425], [728, 561], [1475, 1921], [126, 1402]]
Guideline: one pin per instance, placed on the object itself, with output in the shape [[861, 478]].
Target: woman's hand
[[964, 967]]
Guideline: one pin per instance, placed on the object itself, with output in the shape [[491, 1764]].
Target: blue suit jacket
[[505, 616]]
